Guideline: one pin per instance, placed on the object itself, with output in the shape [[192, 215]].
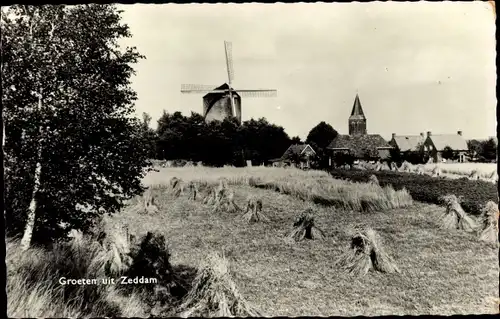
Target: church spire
[[357, 110], [357, 120]]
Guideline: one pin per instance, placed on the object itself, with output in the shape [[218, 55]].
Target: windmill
[[224, 101]]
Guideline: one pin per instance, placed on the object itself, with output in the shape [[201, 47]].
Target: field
[[424, 188], [442, 272], [465, 169]]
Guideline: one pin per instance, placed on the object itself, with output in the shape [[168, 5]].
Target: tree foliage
[[483, 150], [219, 143], [319, 138], [489, 149], [448, 153], [66, 95]]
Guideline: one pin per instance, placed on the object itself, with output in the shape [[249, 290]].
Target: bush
[[429, 189]]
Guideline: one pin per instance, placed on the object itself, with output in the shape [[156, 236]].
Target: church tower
[[357, 120]]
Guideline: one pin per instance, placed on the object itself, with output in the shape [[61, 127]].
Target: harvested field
[[428, 270], [441, 271], [429, 189], [465, 169]]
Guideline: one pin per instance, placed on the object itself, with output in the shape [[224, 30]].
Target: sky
[[417, 66]]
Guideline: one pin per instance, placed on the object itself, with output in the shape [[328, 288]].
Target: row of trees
[[218, 143]]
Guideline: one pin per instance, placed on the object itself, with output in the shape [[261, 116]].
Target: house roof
[[408, 142], [455, 141], [295, 149], [357, 111], [360, 145]]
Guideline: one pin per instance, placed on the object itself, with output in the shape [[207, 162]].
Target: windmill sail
[[223, 101], [228, 47]]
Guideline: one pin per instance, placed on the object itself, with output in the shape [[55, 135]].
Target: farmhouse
[[296, 152], [407, 143], [434, 145], [358, 143]]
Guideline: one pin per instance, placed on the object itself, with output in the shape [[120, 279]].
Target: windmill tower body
[[217, 106]]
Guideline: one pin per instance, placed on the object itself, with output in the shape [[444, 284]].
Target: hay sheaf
[[489, 223], [113, 249], [474, 175], [210, 197], [385, 167], [253, 213], [455, 217], [492, 175], [221, 198], [436, 171], [366, 253], [224, 201], [420, 169], [151, 259], [304, 228], [214, 293], [177, 186], [193, 190], [394, 167], [373, 180], [406, 167], [150, 206]]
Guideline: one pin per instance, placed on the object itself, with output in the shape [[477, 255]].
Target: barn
[[434, 145], [301, 152], [407, 143]]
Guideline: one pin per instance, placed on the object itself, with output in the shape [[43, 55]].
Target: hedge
[[428, 189]]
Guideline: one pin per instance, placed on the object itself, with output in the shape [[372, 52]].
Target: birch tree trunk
[[30, 221]]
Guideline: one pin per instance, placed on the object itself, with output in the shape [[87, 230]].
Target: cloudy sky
[[417, 66]]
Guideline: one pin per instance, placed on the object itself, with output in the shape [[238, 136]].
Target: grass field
[[443, 272]]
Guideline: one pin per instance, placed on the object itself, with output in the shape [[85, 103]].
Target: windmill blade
[[197, 87], [204, 91], [257, 93], [228, 47]]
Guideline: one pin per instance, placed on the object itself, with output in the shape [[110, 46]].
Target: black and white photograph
[[250, 159]]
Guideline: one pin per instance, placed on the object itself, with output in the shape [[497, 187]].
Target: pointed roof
[[224, 86], [454, 141], [357, 110], [407, 143], [296, 149]]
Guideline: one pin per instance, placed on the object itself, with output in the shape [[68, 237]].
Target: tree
[[149, 136], [263, 141], [448, 153], [474, 147], [395, 156], [319, 138], [67, 109], [489, 149], [172, 130], [342, 158], [321, 135], [296, 140]]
